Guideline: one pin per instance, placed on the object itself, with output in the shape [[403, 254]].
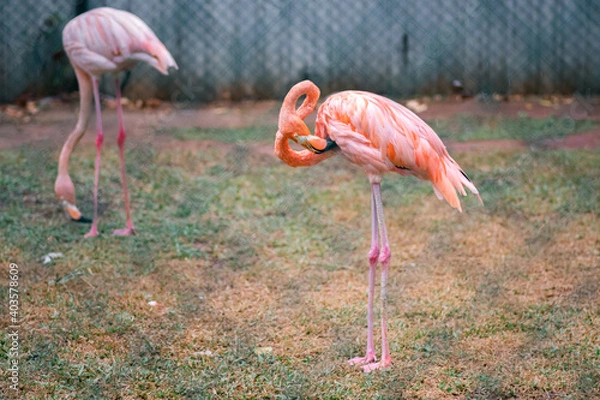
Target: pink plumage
[[380, 136], [104, 40], [108, 40]]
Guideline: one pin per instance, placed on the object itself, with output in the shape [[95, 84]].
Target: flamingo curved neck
[[294, 158], [300, 89], [85, 112], [291, 122]]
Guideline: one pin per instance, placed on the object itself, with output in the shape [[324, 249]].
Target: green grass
[[227, 135], [242, 253], [468, 127]]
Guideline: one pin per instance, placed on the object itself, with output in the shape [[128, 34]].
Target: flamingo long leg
[[373, 258], [64, 188], [128, 230], [385, 256], [99, 139]]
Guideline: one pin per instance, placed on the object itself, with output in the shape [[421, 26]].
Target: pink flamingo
[[99, 41], [380, 136]]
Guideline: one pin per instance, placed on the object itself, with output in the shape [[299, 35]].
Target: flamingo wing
[[382, 136]]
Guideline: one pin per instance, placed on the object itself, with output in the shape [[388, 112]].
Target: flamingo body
[[104, 40], [109, 40], [380, 136]]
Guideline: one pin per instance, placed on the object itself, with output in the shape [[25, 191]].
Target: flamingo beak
[[310, 142], [74, 213]]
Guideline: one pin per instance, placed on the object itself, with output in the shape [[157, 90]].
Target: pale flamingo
[[380, 136], [99, 41]]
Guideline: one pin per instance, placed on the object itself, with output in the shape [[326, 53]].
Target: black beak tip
[[330, 146], [83, 220]]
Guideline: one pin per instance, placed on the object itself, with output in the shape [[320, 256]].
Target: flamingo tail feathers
[[450, 180]]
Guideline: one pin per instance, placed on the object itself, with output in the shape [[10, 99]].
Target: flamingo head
[[159, 56], [293, 128], [65, 191], [314, 143]]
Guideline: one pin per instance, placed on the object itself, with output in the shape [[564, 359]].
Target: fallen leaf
[[259, 351]]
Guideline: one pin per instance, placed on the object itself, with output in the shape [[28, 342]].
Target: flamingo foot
[[124, 232], [369, 358], [377, 365], [93, 232]]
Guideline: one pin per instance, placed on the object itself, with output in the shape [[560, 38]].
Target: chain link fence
[[237, 49]]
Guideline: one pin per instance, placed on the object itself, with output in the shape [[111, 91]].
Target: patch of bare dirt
[[486, 145], [50, 123], [168, 143], [587, 140], [535, 107], [52, 126]]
